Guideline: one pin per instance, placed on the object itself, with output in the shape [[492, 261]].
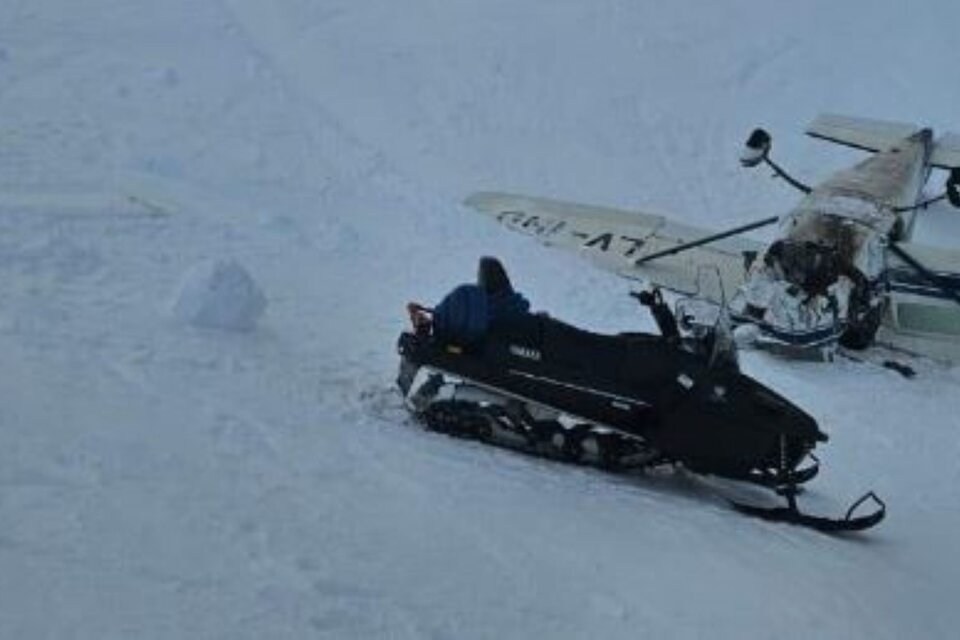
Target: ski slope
[[160, 480]]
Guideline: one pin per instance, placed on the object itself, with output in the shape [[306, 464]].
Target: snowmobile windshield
[[707, 326], [724, 348]]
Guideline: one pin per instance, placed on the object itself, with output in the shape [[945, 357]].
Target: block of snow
[[220, 294]]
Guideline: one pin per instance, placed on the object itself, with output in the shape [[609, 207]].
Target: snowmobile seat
[[576, 350], [526, 328], [581, 350]]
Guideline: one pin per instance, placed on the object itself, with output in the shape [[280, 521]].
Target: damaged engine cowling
[[815, 285]]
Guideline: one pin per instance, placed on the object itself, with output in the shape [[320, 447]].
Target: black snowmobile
[[626, 401]]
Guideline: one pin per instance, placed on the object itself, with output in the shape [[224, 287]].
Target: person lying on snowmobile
[[470, 310]]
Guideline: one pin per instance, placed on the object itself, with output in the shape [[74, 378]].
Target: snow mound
[[220, 294]]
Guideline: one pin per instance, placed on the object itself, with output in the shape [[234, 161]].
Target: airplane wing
[[924, 316], [616, 240], [880, 135], [862, 133]]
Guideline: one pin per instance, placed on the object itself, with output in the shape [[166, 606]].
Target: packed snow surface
[[158, 480]]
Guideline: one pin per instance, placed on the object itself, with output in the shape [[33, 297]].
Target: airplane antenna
[[757, 150]]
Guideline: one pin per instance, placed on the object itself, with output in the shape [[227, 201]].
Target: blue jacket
[[467, 312], [506, 304], [463, 315]]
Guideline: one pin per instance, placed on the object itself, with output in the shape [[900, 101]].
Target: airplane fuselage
[[842, 267], [822, 277]]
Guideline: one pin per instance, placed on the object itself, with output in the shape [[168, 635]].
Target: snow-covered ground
[[158, 479]]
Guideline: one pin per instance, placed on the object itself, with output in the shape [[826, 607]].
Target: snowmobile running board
[[791, 515]]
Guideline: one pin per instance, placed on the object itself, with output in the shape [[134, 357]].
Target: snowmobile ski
[[792, 515]]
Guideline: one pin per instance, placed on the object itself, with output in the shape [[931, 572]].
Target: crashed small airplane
[[842, 269]]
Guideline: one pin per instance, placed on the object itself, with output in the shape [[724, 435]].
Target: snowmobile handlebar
[[648, 298], [666, 321]]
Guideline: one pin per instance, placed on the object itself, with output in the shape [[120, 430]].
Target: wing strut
[[712, 238]]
